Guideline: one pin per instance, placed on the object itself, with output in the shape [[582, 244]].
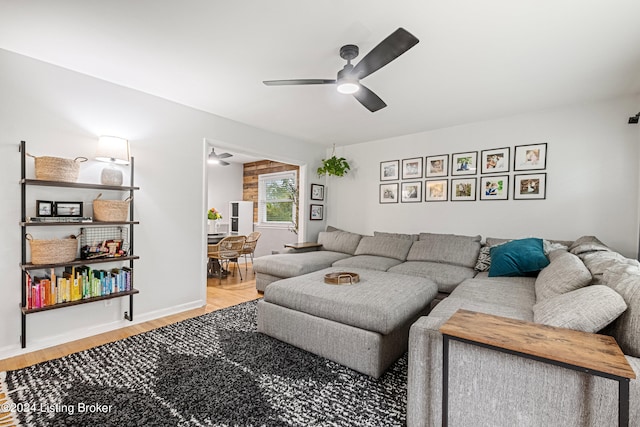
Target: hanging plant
[[336, 166]]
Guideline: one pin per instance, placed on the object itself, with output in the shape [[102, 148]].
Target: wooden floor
[[232, 291]]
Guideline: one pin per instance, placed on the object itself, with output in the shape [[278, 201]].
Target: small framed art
[[436, 190], [531, 186], [464, 163], [389, 193], [389, 170], [317, 192], [494, 187], [463, 189], [68, 208], [411, 192], [44, 208], [412, 168], [530, 157], [437, 166], [495, 161], [316, 213]]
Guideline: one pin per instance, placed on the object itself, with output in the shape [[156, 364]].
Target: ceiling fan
[[216, 159], [348, 79]]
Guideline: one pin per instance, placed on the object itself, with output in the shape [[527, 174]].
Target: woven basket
[[110, 210], [58, 169], [53, 251]]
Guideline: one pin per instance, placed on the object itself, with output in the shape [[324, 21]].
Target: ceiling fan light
[[348, 87]]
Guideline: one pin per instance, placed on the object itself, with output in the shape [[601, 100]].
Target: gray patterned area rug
[[212, 370]]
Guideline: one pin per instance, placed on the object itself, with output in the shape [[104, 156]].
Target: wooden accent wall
[[250, 179]]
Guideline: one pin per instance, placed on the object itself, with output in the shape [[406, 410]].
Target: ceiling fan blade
[[386, 51], [224, 155], [298, 82], [223, 163], [370, 100]]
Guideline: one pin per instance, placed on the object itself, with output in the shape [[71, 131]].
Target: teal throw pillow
[[523, 257]]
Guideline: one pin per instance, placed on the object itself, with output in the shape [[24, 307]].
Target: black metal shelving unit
[[27, 266]]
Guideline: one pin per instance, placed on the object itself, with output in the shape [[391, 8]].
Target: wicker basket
[[110, 210], [53, 251], [58, 169]]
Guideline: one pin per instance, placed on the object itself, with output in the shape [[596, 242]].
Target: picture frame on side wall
[[495, 187], [316, 213], [436, 166], [389, 193], [464, 163], [411, 192], [390, 170], [532, 186], [436, 190], [70, 209], [530, 157], [495, 160], [317, 192], [44, 208], [412, 168], [463, 189]]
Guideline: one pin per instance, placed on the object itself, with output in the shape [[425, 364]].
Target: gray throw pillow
[[565, 273], [587, 309], [625, 280], [587, 244]]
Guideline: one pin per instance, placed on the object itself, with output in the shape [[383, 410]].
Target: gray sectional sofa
[[582, 285]]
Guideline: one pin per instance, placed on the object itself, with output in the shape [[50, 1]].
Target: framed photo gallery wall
[[517, 172]]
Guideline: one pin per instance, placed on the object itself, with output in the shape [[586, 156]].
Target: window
[[277, 194]]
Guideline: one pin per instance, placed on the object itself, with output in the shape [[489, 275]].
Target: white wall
[[592, 179], [61, 113], [225, 185]]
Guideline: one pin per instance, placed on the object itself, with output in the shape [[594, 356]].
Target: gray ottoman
[[364, 326]]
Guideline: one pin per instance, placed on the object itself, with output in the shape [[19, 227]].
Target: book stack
[[75, 284]]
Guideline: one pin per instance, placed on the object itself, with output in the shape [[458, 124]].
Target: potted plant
[[336, 166]]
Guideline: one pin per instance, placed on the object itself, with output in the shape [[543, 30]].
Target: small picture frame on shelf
[[464, 163], [412, 168], [44, 208], [531, 186], [389, 193], [494, 187], [73, 209], [316, 213], [530, 157], [411, 192], [463, 189], [389, 170], [436, 190], [495, 161], [317, 192], [437, 166]]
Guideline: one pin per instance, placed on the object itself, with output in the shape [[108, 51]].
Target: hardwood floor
[[232, 291]]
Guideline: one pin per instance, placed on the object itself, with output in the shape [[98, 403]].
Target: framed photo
[[389, 193], [530, 186], [389, 170], [463, 189], [317, 192], [464, 163], [494, 187], [68, 208], [495, 161], [437, 166], [411, 191], [316, 213], [44, 208], [436, 190], [412, 168], [530, 157]]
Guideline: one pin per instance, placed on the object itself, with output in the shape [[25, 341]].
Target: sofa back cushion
[[412, 237], [390, 247], [625, 280], [339, 241], [565, 273], [587, 244], [446, 248]]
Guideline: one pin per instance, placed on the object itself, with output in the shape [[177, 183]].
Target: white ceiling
[[476, 60]]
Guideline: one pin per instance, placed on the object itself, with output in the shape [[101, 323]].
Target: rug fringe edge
[[7, 419]]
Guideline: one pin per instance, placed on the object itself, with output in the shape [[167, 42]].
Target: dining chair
[[225, 252], [250, 247]]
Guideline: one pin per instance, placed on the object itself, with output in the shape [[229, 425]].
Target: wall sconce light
[[114, 151]]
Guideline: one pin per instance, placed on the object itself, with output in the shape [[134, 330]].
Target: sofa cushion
[[625, 280], [295, 264], [446, 248], [446, 276], [565, 273], [498, 290], [371, 262], [447, 307], [587, 244], [390, 247], [339, 241], [522, 257], [587, 309], [412, 237], [599, 261]]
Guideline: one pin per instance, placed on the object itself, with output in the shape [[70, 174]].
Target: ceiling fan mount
[[348, 79]]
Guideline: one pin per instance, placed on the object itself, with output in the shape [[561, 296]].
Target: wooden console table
[[305, 245], [594, 354]]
